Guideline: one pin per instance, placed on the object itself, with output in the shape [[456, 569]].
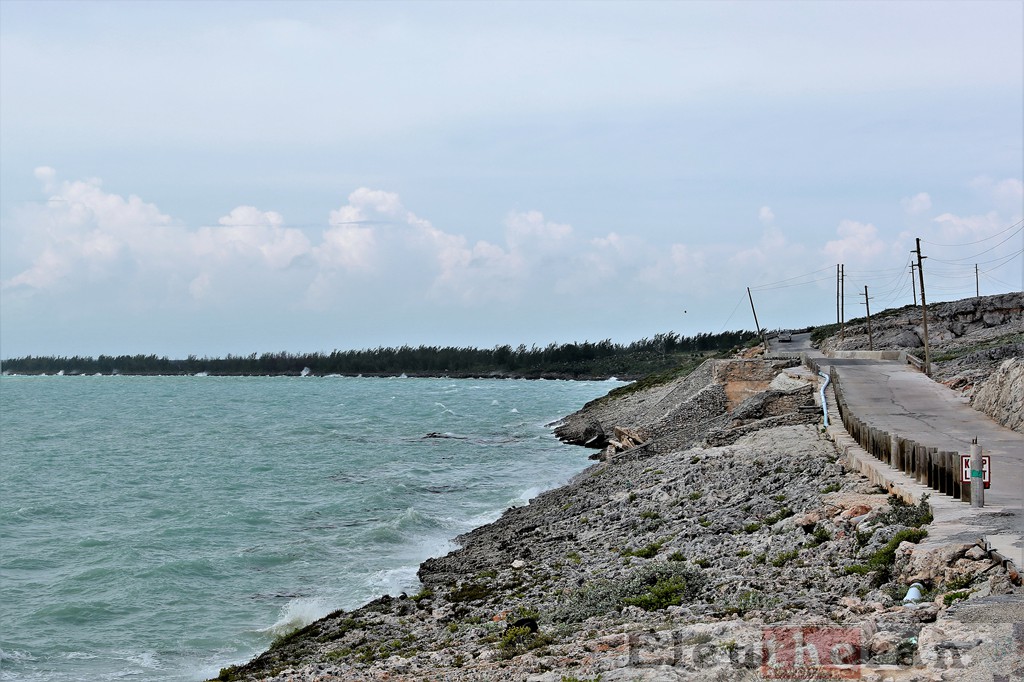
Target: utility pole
[[977, 289], [764, 340], [842, 299], [924, 309], [913, 284], [837, 294], [871, 342]]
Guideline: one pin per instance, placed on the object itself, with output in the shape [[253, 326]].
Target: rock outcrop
[[1001, 396]]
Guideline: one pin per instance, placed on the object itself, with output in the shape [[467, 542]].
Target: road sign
[[986, 469]]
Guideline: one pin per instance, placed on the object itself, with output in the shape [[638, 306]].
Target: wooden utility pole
[[977, 289], [924, 308], [837, 293], [871, 342], [764, 339], [842, 300], [913, 284]]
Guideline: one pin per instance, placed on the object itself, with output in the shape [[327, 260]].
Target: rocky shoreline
[[719, 533]]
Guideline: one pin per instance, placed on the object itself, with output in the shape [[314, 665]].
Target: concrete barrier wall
[[937, 469]]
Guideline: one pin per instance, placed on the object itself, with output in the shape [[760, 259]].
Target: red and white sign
[[986, 468]]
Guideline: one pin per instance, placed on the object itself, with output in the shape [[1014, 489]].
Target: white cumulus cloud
[[858, 243], [919, 203]]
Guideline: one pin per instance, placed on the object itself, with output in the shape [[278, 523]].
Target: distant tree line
[[571, 360]]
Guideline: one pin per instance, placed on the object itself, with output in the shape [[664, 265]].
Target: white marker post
[[977, 471]]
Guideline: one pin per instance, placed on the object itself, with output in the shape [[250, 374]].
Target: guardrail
[[917, 362], [937, 469]]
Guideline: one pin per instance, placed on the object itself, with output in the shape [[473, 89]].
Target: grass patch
[[470, 592], [883, 559], [951, 597], [645, 552], [783, 513], [652, 587], [785, 558]]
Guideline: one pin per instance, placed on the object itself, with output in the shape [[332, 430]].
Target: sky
[[209, 178]]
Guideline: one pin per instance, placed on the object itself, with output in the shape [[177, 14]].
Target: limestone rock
[[1002, 395]]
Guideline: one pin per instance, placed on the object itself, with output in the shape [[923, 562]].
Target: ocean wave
[[299, 613], [16, 656]]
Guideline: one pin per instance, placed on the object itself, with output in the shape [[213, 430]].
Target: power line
[[968, 258], [985, 239], [790, 279], [796, 284]]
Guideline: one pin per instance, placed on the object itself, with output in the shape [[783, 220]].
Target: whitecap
[[299, 613], [145, 659], [80, 655], [15, 655], [394, 581]]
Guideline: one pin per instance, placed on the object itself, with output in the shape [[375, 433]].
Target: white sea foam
[[394, 581], [298, 613], [15, 655]]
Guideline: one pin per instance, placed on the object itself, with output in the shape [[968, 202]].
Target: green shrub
[[948, 599], [519, 640], [820, 536], [783, 513], [902, 514], [645, 552], [785, 558], [470, 592], [651, 587]]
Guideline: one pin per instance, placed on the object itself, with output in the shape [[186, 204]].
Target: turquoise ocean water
[[161, 528]]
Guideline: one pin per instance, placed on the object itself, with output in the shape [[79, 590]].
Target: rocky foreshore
[[719, 537]]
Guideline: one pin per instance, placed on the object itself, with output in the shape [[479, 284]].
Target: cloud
[[248, 232], [375, 256], [919, 203], [858, 243], [954, 229], [1008, 194]]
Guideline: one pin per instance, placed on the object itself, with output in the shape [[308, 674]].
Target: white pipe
[[824, 405], [914, 594]]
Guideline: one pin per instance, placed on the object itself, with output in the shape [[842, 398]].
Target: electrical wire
[[967, 258], [788, 279], [979, 241], [796, 284], [734, 309]]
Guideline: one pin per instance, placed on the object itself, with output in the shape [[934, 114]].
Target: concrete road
[[897, 398]]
